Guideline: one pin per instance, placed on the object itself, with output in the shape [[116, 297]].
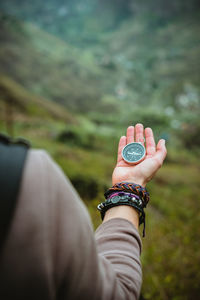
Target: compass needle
[[133, 153]]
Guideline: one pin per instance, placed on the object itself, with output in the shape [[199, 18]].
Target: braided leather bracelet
[[132, 188]]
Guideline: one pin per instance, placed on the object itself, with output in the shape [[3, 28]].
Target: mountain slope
[[15, 95], [49, 67]]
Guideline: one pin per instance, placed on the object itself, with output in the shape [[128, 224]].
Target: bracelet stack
[[126, 193]]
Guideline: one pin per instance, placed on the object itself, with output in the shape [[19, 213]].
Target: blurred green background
[[74, 74]]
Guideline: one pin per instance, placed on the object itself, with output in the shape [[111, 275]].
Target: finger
[[150, 142], [161, 152], [139, 133], [130, 134], [122, 144]]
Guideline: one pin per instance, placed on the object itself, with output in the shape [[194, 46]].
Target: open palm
[[145, 170]]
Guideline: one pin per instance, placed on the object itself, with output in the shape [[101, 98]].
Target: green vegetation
[[74, 76]]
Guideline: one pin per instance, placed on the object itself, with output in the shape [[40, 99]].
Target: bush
[[76, 136], [87, 187]]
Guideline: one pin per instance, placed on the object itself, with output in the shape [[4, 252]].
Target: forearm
[[124, 212], [112, 263]]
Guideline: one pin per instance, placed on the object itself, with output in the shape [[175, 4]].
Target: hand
[[145, 170]]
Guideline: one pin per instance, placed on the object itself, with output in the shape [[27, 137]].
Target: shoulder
[[40, 162], [38, 156]]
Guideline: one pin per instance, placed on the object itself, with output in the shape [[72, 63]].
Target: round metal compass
[[133, 153]]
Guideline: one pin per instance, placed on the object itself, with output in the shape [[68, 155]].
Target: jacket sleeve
[[119, 248], [104, 267]]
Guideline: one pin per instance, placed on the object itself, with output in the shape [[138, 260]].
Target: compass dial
[[133, 153]]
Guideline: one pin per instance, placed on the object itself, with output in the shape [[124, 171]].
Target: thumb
[[161, 152]]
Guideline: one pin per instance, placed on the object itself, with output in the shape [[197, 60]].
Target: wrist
[[124, 212], [137, 181], [132, 180]]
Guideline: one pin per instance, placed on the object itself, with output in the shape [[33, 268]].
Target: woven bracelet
[[132, 188]]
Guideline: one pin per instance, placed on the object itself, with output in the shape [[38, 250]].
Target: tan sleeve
[[52, 248], [119, 248]]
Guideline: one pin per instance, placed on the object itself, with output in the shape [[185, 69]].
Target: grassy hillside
[[53, 69], [157, 61], [76, 102], [120, 79], [13, 94], [48, 66]]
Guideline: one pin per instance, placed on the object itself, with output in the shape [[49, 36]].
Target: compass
[[133, 153]]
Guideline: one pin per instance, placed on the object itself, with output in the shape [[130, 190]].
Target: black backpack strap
[[12, 159]]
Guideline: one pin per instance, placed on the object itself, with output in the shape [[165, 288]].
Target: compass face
[[133, 153]]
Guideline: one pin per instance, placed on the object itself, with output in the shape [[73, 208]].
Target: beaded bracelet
[[123, 194]]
